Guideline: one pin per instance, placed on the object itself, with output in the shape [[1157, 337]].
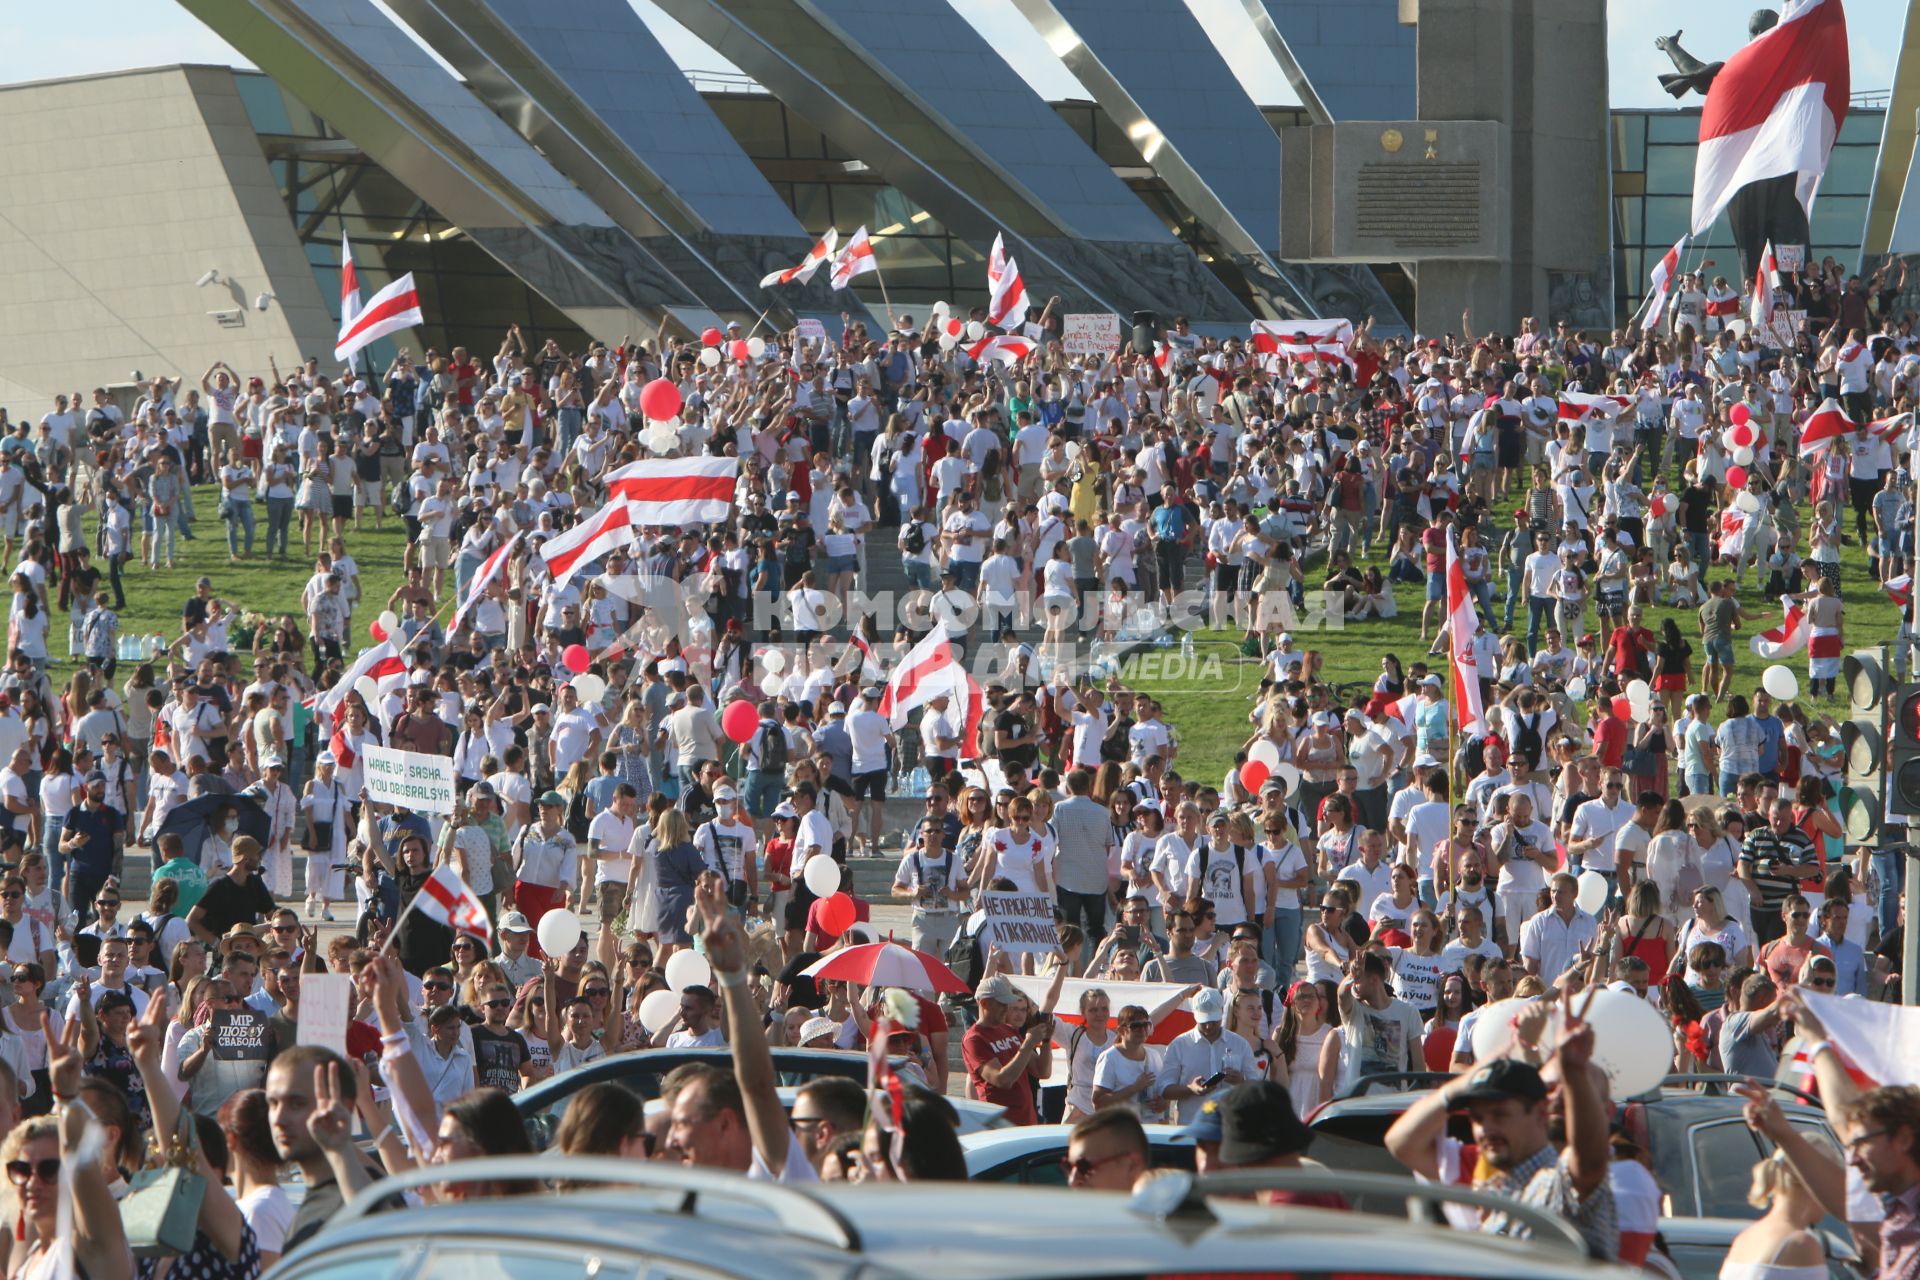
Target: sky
[[79, 37]]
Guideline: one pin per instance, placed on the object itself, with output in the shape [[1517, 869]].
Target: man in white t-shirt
[[729, 845], [1590, 838], [609, 842], [813, 838], [872, 738], [941, 727], [1089, 728], [576, 733]]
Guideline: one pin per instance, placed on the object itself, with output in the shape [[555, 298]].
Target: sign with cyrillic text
[[1020, 923]]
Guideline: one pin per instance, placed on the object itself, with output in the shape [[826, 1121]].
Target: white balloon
[[1266, 752], [1593, 892], [1577, 689], [1742, 455], [369, 690], [1289, 776], [1745, 501], [659, 1008], [774, 661], [1639, 690], [1781, 683], [975, 330], [822, 876], [1631, 1041], [948, 342], [1493, 1029], [589, 686], [390, 622], [559, 932], [688, 969], [756, 347], [1641, 711], [662, 437], [710, 357]]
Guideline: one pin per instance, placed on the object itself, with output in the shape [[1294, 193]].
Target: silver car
[[638, 1221]]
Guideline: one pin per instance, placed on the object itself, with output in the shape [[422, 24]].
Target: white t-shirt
[[613, 834], [868, 730], [1594, 818]]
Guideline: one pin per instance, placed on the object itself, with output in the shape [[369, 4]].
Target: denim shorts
[[1436, 586], [1720, 651]]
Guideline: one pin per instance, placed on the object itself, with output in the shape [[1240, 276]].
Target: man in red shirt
[[1002, 1059], [1632, 647], [1609, 734]]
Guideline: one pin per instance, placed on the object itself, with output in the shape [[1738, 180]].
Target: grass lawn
[[1209, 700], [262, 584]]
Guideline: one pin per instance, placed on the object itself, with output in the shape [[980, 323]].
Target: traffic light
[[1863, 742]]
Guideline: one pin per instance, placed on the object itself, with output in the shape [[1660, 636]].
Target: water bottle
[[1186, 644]]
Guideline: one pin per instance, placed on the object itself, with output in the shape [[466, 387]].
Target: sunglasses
[[12, 893], [436, 986], [499, 1004], [21, 1172], [1138, 1024], [598, 991]]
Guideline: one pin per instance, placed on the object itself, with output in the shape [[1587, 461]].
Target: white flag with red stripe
[[854, 260], [1881, 1041], [1305, 341], [446, 898], [1786, 639], [574, 550], [394, 308], [1661, 279], [1899, 590], [1007, 298], [1579, 406], [929, 669], [489, 570], [349, 282], [1774, 109], [1463, 624], [1760, 306], [1890, 429], [675, 491], [1825, 425], [1003, 347], [996, 261], [382, 662], [821, 251]]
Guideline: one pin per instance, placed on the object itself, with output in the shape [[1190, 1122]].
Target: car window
[[1697, 1261], [386, 1264], [1043, 1170], [1723, 1158], [498, 1262]]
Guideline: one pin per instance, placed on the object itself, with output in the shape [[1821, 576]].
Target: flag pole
[[758, 322], [884, 300]]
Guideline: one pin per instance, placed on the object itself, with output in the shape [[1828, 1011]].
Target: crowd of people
[[1362, 878]]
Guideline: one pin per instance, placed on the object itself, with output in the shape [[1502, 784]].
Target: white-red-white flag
[[349, 282], [1003, 347], [1890, 429], [1305, 341], [1463, 624], [1788, 637], [1825, 425], [382, 662], [929, 669], [394, 308], [1760, 306], [1660, 281], [574, 550], [1774, 109], [675, 491], [1007, 301], [1579, 406], [821, 251], [1881, 1040], [445, 897], [996, 261], [854, 260], [489, 570]]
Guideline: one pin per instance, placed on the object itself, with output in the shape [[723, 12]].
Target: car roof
[[976, 1115], [964, 1231], [835, 1062], [1019, 1140], [1393, 1102]]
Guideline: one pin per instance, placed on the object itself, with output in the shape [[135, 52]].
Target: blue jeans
[[50, 845], [1513, 594], [241, 518], [919, 574], [1539, 610], [183, 514], [1729, 783], [1283, 943], [163, 539], [279, 520], [1483, 593], [1887, 869], [570, 420], [1697, 548]]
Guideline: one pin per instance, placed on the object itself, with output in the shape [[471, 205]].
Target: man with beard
[[1547, 1146]]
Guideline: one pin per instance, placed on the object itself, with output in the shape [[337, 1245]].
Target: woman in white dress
[[325, 803]]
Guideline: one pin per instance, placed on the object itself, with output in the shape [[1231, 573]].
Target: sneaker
[[326, 914]]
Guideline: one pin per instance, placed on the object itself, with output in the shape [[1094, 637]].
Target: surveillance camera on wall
[[137, 376], [260, 303], [207, 277]]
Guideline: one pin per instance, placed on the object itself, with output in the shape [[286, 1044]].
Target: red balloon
[[836, 914], [1658, 507], [1622, 706], [1740, 415], [659, 400], [1737, 477], [576, 658], [711, 338], [741, 353], [1252, 774], [1741, 434], [377, 631], [739, 721]]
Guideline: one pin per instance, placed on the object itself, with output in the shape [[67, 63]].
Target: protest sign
[[1090, 334], [1789, 257], [411, 779], [1019, 923], [241, 1035], [811, 329], [325, 1002]]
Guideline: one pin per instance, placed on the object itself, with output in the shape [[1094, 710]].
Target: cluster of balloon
[[589, 686], [946, 327], [739, 720], [1264, 764], [387, 624]]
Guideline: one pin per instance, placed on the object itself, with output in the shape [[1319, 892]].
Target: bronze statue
[[1768, 210]]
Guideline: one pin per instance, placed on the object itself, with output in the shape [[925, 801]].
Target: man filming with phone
[[1004, 1060], [1204, 1062]]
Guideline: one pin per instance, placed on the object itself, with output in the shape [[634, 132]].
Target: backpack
[[915, 539], [1526, 737], [773, 749]]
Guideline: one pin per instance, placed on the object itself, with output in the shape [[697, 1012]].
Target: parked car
[[1698, 1246], [640, 1218], [1698, 1145], [1031, 1154]]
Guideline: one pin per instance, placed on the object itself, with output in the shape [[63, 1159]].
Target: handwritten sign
[[325, 1001], [811, 329], [1019, 923], [1790, 257], [241, 1035], [411, 779], [1090, 334]]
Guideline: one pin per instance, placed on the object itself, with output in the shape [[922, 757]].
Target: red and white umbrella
[[887, 964]]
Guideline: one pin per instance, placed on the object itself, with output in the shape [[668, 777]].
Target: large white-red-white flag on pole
[[854, 260], [349, 282], [586, 542], [489, 570], [672, 491], [394, 308], [930, 669], [446, 898], [1760, 306], [1785, 639], [821, 251], [1463, 625], [1774, 109], [1311, 341], [1007, 301], [382, 664], [1660, 282], [1823, 426]]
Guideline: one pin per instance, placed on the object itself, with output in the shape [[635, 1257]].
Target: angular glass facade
[[1653, 153]]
